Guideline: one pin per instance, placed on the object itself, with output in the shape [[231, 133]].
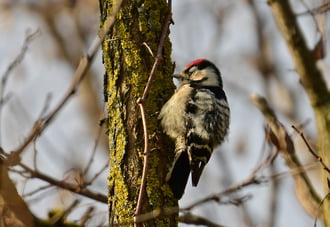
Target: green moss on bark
[[128, 64]]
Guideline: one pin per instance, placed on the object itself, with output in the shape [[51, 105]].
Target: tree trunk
[[128, 63]]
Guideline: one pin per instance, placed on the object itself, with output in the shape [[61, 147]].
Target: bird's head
[[200, 73]]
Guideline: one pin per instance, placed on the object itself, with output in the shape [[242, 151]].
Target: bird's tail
[[191, 158], [178, 176], [199, 155]]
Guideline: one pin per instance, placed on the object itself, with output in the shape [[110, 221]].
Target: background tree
[[312, 80]]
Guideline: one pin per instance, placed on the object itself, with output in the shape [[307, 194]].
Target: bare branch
[[65, 185], [91, 159], [155, 214], [310, 149], [305, 63], [87, 215], [322, 9], [42, 123], [192, 219], [17, 60], [321, 203], [223, 197], [37, 190], [278, 136], [60, 218], [220, 198], [97, 174]]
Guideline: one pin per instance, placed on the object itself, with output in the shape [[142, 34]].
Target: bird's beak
[[181, 77], [177, 76]]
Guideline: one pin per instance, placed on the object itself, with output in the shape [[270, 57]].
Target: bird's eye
[[192, 70]]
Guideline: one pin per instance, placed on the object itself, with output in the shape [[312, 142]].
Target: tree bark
[[312, 80], [128, 63]]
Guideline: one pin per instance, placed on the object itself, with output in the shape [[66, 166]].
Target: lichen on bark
[[128, 64]]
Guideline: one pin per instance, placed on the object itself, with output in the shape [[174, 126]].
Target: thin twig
[[37, 190], [65, 185], [97, 174], [80, 73], [322, 9], [190, 218], [174, 210], [141, 102], [134, 41], [280, 138], [87, 215], [35, 154], [41, 114], [251, 180], [46, 106], [148, 48], [155, 214], [321, 204], [58, 218], [17, 60], [91, 159], [293, 171], [145, 161], [311, 150], [310, 75]]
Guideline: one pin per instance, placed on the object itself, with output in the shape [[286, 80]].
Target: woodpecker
[[196, 117]]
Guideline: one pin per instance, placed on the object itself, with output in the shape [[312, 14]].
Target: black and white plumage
[[197, 118]]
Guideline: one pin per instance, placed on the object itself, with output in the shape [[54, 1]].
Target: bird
[[196, 118]]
